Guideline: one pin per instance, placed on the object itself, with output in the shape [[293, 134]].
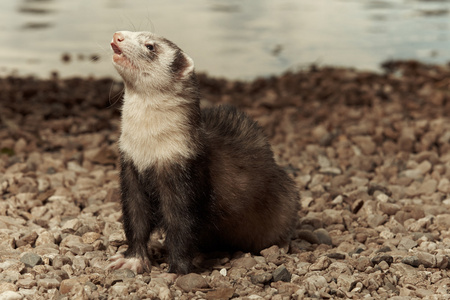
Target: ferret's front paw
[[136, 264]]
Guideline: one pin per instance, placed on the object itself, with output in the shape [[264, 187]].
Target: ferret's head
[[149, 63]]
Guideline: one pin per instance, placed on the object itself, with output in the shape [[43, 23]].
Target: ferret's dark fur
[[225, 191]]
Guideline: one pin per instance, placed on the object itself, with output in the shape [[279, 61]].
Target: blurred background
[[234, 39]]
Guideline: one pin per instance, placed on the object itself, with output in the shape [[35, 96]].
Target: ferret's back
[[227, 127], [254, 198]]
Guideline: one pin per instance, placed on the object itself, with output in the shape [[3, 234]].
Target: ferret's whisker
[[118, 96]]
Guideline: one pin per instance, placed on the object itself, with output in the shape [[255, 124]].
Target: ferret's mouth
[[118, 56], [116, 49]]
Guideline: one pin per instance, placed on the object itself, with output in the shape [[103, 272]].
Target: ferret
[[207, 177]]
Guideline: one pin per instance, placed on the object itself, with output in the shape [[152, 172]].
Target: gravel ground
[[369, 152]]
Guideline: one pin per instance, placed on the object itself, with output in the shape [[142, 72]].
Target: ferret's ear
[[183, 65]]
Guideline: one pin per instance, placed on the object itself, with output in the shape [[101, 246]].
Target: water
[[233, 39]]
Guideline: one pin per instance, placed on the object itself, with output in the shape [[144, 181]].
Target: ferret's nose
[[118, 37]]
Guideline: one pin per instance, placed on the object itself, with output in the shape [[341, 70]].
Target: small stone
[[261, 278], [48, 283], [117, 238], [7, 241], [26, 283], [244, 262], [428, 187], [379, 258], [376, 220], [81, 248], [68, 284], [426, 259], [389, 208], [336, 268], [271, 254], [90, 237], [406, 244], [191, 282], [10, 295], [31, 259], [323, 161], [323, 236], [281, 274], [383, 265], [79, 263], [336, 255], [119, 275], [93, 286], [220, 294], [362, 263], [330, 171], [366, 144], [424, 167], [28, 239], [444, 186], [70, 240], [61, 260], [120, 291], [321, 264], [74, 166], [338, 200], [442, 221], [105, 156], [356, 206], [315, 282], [71, 226], [384, 249], [12, 265], [45, 237], [7, 286], [411, 260], [331, 216]]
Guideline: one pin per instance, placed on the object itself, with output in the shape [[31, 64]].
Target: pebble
[[191, 282], [71, 226], [380, 258], [90, 237], [262, 278], [48, 283], [7, 286], [315, 282], [411, 260], [406, 244], [26, 283], [321, 264], [331, 216], [281, 274], [31, 259], [28, 239], [362, 263], [61, 260], [119, 276], [220, 294], [271, 254], [117, 238], [10, 295], [244, 262]]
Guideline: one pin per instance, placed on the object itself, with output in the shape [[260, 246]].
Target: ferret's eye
[[150, 47]]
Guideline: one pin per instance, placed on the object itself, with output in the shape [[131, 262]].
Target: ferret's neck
[[158, 130]]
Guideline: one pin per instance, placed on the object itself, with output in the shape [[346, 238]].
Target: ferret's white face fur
[[149, 63], [156, 74]]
